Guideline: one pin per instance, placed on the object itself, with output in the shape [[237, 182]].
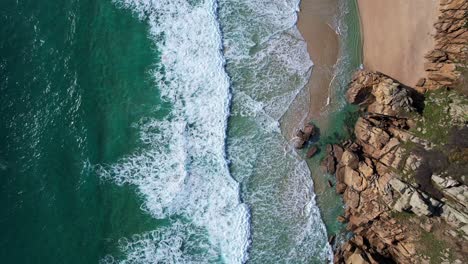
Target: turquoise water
[[144, 131], [74, 78]]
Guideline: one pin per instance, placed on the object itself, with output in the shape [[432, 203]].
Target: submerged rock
[[312, 151]]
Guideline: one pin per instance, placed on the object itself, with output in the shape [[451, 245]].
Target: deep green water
[[73, 79]]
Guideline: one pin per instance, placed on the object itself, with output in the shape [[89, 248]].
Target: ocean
[[149, 131]]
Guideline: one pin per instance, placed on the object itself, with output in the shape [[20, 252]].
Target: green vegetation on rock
[[443, 110]]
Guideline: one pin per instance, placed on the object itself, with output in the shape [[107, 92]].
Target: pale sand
[[314, 22], [396, 35]]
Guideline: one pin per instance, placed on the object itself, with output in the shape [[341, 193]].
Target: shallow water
[[337, 117]]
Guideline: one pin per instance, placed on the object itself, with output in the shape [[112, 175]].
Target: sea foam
[[182, 171], [269, 67]]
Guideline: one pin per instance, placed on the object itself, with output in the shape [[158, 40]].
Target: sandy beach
[[314, 23], [396, 36]]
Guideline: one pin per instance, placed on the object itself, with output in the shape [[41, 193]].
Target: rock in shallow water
[[312, 151]]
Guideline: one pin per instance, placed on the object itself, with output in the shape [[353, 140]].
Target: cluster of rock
[[374, 174], [450, 51], [303, 136]]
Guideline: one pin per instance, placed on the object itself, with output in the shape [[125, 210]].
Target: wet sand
[[314, 22], [396, 35]]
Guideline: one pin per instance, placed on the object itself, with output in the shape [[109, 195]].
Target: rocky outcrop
[[404, 185], [451, 51], [379, 94], [377, 174], [304, 135], [454, 210]]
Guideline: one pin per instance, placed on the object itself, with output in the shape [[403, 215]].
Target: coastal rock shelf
[[450, 52], [403, 172], [402, 191]]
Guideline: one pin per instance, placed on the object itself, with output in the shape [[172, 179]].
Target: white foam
[[177, 243], [183, 170], [269, 67]]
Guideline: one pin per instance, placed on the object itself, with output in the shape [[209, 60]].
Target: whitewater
[[231, 192]]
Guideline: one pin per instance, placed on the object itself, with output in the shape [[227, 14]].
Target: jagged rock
[[297, 141], [402, 204], [309, 131], [410, 199], [360, 88], [464, 229], [371, 138], [330, 162], [457, 192], [350, 159], [304, 135], [365, 170], [453, 216], [413, 162], [394, 158], [419, 206], [351, 177], [445, 182], [340, 188], [391, 99], [421, 82], [372, 171], [450, 49], [352, 198], [337, 152], [458, 109], [356, 258], [379, 94]]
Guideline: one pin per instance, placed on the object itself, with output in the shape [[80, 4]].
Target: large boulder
[[337, 152], [454, 190], [360, 88], [419, 206], [379, 94], [357, 258], [372, 139], [303, 135], [350, 159], [352, 177], [411, 199], [365, 168], [453, 216]]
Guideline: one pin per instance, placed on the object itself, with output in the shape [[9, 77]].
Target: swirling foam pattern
[[269, 67], [183, 174]]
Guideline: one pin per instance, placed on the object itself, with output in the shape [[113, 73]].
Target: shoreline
[[330, 74], [314, 22], [410, 49]]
